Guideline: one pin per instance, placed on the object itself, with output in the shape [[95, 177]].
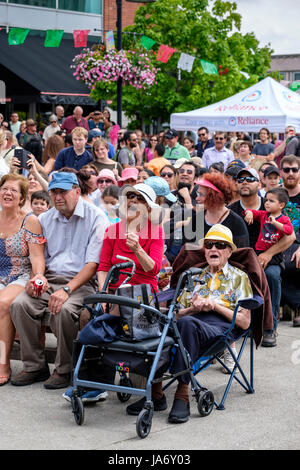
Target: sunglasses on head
[[135, 195], [169, 175], [249, 179], [104, 181], [287, 169], [219, 245]]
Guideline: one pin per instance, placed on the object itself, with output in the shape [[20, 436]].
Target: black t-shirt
[[253, 229]]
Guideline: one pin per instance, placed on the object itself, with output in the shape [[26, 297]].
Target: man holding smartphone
[[289, 146], [95, 120]]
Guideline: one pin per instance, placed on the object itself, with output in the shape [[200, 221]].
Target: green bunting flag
[[208, 67], [17, 36], [53, 37], [146, 42]]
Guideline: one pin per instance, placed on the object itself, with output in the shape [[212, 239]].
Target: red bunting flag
[[164, 53], [80, 37]]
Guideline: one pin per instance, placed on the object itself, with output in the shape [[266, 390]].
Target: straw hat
[[219, 232]]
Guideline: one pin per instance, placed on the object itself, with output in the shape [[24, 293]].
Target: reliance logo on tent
[[245, 121], [254, 96]]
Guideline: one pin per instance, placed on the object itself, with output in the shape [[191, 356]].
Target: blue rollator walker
[[155, 353]]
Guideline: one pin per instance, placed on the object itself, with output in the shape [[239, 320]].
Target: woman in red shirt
[[135, 237]]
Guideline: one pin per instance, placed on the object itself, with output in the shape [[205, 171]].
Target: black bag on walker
[[101, 329], [138, 324]]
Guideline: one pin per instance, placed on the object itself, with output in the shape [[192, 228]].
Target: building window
[[86, 6], [35, 3], [296, 75]]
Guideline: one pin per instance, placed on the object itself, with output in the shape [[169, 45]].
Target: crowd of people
[[83, 191]]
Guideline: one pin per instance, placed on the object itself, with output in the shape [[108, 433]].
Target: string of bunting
[[17, 36]]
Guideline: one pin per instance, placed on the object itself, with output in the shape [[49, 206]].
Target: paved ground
[[34, 418]]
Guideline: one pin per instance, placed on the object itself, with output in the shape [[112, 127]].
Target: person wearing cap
[[205, 314], [52, 128], [271, 179], [74, 230], [174, 150], [248, 184], [128, 176], [161, 189], [218, 153], [135, 237], [75, 156]]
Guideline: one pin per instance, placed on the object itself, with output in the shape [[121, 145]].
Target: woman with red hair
[[214, 193]]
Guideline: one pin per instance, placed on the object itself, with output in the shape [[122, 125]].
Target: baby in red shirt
[[273, 224]]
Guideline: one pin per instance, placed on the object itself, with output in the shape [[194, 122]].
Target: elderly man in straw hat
[[206, 313]]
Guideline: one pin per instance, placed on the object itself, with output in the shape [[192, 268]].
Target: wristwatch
[[67, 290]]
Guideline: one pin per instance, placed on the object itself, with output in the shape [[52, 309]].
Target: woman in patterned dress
[[21, 257]]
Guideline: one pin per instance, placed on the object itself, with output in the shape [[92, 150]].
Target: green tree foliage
[[205, 29]]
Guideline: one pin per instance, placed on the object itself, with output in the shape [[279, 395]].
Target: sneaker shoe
[[91, 396], [180, 412], [269, 339], [135, 408], [28, 378], [229, 361]]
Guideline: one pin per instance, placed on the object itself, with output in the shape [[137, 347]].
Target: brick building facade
[[110, 14]]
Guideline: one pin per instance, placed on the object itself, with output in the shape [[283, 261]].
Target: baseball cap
[[144, 190], [233, 170], [94, 133], [249, 170], [271, 169], [63, 180], [171, 133], [160, 187], [237, 162]]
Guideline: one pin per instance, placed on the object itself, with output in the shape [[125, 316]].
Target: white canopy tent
[[265, 104]]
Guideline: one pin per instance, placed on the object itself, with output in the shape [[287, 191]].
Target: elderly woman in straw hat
[[207, 313]]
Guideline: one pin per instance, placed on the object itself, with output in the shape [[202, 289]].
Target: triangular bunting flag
[[164, 53], [53, 37], [208, 67], [185, 62], [146, 42], [109, 40], [17, 36], [246, 75], [80, 37]]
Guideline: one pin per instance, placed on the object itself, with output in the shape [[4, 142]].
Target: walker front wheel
[[144, 423], [78, 410], [205, 402]]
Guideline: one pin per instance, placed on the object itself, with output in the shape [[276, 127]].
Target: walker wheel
[[124, 382], [144, 423], [205, 402], [78, 410]]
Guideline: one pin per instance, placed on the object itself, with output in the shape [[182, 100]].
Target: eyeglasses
[[153, 140], [201, 194], [182, 171], [201, 135], [218, 138], [249, 179], [104, 181], [93, 173], [287, 169], [134, 195], [169, 175], [5, 190], [133, 140], [219, 245]]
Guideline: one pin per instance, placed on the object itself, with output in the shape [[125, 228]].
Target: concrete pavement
[[33, 418]]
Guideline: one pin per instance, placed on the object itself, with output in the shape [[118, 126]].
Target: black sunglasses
[[104, 181], [219, 245], [135, 195], [287, 169], [169, 175], [249, 179]]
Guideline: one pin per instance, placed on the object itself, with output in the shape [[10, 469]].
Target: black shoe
[[135, 408], [28, 378], [180, 412], [269, 339]]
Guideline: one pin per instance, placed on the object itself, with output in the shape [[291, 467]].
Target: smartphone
[[22, 156]]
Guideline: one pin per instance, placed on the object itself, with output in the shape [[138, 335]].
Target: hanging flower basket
[[98, 65]]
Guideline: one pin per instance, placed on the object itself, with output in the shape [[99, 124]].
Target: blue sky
[[272, 21]]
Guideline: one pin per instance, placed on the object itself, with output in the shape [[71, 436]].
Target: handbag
[[138, 324], [101, 329]]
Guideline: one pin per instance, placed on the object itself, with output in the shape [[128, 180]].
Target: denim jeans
[[273, 274]]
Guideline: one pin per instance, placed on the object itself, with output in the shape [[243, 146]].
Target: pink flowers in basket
[[94, 65]]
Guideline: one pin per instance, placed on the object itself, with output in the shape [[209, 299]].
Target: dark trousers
[[198, 333]]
